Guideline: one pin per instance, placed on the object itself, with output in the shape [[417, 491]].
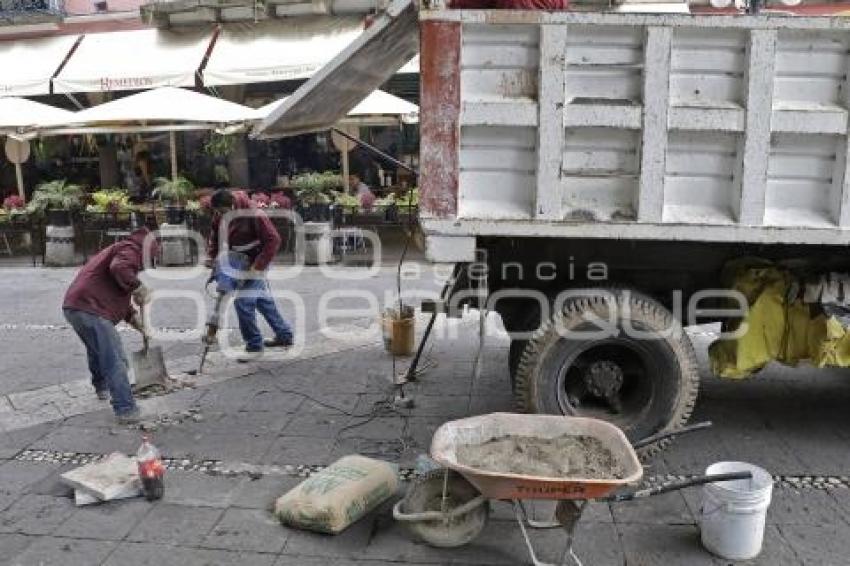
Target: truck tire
[[642, 385], [515, 351]]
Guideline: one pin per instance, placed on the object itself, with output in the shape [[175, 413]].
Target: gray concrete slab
[[112, 520], [175, 525], [261, 493], [53, 551], [823, 545], [671, 545], [11, 545], [36, 515], [247, 529], [200, 490], [146, 554]]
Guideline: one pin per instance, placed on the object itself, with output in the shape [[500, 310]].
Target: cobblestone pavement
[[245, 434]]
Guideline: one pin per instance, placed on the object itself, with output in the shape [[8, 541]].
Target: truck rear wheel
[[588, 361]]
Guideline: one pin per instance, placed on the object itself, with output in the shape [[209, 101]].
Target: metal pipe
[[376, 151], [671, 433]]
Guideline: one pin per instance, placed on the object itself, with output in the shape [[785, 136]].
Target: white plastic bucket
[[733, 513]]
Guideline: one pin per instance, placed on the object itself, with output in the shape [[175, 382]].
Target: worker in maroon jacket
[[97, 300], [252, 242]]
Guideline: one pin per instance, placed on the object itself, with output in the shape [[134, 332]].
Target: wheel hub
[[604, 379]]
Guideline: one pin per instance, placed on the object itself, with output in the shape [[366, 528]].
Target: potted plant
[[57, 200], [174, 193], [312, 191]]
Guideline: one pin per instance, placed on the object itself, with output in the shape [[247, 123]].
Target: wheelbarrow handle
[[470, 505], [675, 486], [671, 433]]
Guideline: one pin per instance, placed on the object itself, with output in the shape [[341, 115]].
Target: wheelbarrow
[[449, 507]]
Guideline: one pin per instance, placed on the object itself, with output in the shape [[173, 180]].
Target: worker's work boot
[[249, 356], [103, 395], [279, 343], [129, 418]]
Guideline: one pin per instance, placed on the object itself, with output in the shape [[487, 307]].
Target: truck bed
[[649, 127]]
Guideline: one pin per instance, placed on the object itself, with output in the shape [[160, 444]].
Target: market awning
[[29, 64], [20, 113], [378, 109], [163, 109], [390, 42], [134, 60], [279, 50]]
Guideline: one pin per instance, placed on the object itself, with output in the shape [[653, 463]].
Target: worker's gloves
[[136, 323], [142, 295]]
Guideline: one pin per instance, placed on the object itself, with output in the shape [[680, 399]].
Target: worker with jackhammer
[[97, 300], [251, 241]]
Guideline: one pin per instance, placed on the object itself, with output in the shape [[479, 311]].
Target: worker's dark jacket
[[104, 284], [253, 235]]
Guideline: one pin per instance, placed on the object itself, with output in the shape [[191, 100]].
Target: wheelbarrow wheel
[[624, 359], [426, 494]]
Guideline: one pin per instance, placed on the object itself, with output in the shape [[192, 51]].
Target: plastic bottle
[[151, 470]]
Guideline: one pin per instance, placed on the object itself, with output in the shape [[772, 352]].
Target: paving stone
[[143, 554], [247, 529], [299, 450], [318, 425], [263, 492], [271, 423], [36, 515], [18, 476], [91, 440], [11, 545], [671, 545], [803, 507], [824, 545], [445, 406], [106, 521], [271, 399], [200, 490], [52, 484], [241, 446], [114, 477], [175, 524], [499, 543], [51, 551], [484, 404], [665, 509]]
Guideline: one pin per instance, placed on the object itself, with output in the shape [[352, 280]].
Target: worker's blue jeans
[[252, 296], [107, 362]]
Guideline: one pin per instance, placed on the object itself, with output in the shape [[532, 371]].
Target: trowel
[[148, 364]]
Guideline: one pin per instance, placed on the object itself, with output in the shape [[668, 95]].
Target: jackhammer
[[236, 261]]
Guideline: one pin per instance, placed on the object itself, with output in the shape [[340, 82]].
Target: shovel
[[148, 364]]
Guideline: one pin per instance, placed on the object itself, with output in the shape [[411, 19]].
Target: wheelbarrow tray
[[497, 485]]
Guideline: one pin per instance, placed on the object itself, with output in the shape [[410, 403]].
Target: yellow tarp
[[779, 328]]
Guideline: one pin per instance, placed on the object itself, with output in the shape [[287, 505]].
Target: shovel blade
[[149, 367]]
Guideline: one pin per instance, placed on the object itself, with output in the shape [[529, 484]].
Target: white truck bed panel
[[706, 128]]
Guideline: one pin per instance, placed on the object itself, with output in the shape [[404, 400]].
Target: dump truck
[[597, 170]]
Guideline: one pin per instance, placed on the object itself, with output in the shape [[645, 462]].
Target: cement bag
[[336, 497]]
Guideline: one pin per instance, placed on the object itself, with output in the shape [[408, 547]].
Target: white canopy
[[379, 108], [29, 64], [17, 113], [278, 50], [165, 108], [134, 60]]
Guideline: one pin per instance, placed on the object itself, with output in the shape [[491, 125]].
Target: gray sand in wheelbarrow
[[568, 455]]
